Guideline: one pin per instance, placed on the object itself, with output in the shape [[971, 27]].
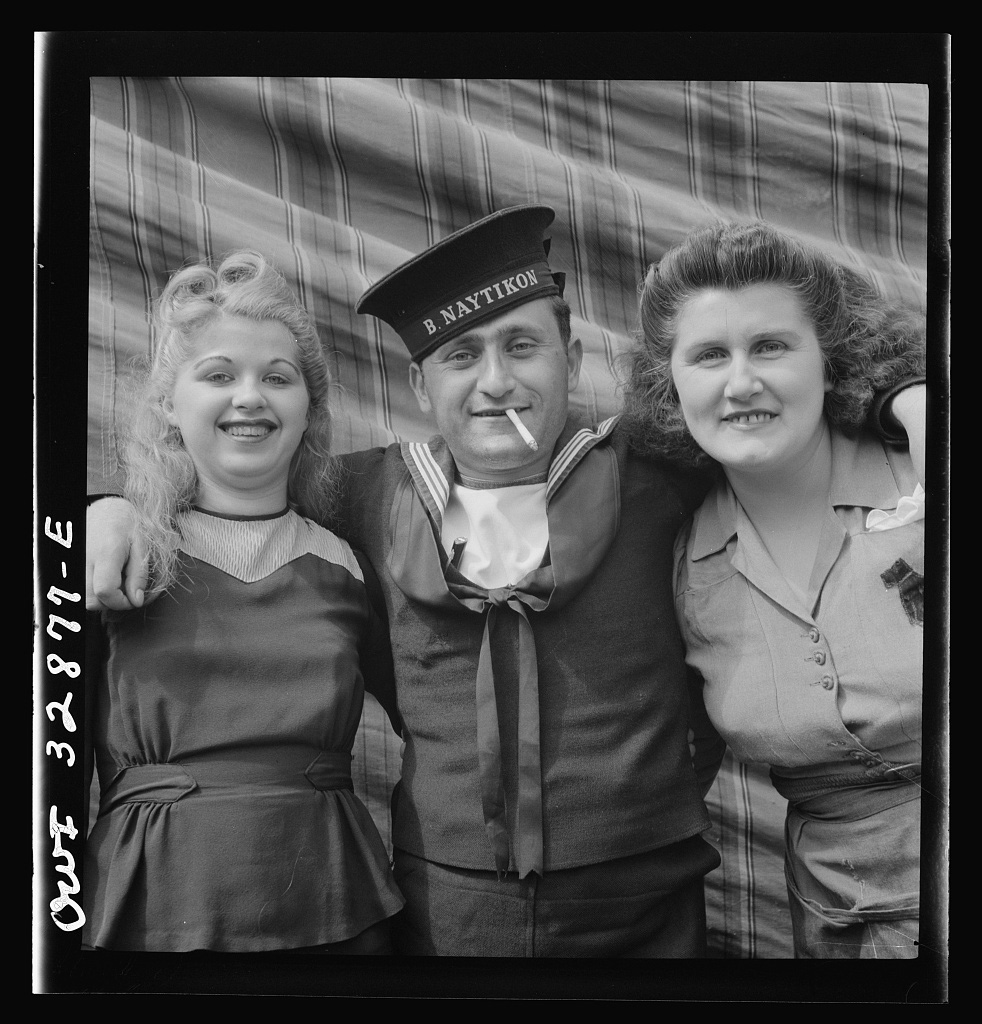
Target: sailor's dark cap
[[476, 273]]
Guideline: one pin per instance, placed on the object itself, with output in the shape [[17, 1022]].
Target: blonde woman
[[226, 708]]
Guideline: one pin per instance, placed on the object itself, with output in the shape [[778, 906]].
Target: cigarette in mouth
[[522, 429]]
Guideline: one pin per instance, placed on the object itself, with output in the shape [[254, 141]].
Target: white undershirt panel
[[505, 528]]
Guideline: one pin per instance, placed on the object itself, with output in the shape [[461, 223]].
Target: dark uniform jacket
[[545, 724]]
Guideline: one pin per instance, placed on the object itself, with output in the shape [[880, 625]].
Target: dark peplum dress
[[223, 722]]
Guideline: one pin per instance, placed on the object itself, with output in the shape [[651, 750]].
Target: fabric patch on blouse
[[252, 549]]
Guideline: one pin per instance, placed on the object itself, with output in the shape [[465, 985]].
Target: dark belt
[[883, 773], [168, 782]]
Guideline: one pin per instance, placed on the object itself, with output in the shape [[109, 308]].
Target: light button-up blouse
[[811, 688]]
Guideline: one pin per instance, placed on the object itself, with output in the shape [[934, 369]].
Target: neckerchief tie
[[583, 511]]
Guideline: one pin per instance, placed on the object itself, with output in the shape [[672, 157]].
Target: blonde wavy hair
[[161, 480]]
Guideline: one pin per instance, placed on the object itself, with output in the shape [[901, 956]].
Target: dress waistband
[[884, 773], [168, 782]]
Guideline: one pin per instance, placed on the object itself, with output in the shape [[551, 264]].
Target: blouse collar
[[863, 475]]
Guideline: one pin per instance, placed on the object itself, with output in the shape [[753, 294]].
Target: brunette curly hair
[[868, 345], [161, 480]]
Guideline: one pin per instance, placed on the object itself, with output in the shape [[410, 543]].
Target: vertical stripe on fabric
[[326, 106], [609, 135], [383, 406], [898, 197], [281, 188], [134, 208], [481, 141], [745, 833], [102, 319], [690, 140], [837, 169], [580, 277], [275, 145], [610, 155], [753, 171], [735, 922], [694, 144], [419, 162], [201, 208], [840, 151], [897, 189]]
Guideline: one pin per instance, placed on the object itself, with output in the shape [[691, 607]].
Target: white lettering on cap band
[[435, 326], [481, 299]]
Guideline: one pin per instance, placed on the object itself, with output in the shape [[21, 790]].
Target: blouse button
[[827, 682], [814, 635], [819, 657]]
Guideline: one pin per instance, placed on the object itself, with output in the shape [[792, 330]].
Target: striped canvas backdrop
[[340, 180]]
